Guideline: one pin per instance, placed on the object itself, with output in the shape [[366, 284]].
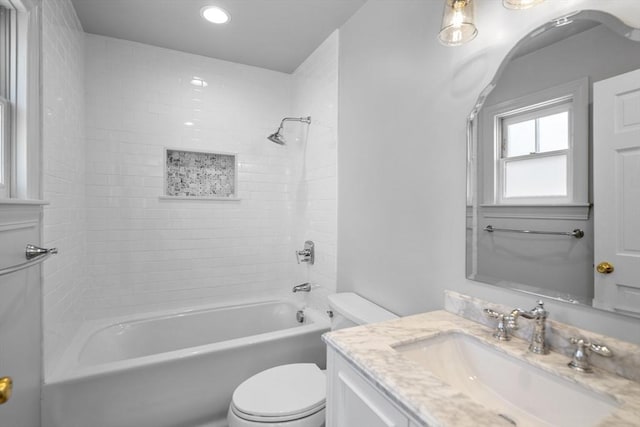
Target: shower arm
[[277, 137], [306, 120]]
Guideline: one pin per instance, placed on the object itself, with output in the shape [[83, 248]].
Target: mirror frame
[[614, 24]]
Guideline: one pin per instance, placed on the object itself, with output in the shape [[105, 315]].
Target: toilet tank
[[350, 309]]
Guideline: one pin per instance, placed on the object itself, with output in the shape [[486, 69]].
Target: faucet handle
[[600, 349], [492, 313], [307, 254], [580, 360], [505, 322]]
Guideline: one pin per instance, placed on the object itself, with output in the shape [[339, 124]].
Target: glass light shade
[[520, 4], [457, 23]]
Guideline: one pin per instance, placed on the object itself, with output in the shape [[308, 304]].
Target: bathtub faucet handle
[[307, 254]]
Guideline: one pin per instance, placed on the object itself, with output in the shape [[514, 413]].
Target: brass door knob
[[6, 387], [604, 268]]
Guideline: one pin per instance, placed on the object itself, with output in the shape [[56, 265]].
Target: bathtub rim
[[69, 369]]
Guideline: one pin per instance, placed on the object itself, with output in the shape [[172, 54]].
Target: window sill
[[576, 211], [23, 202]]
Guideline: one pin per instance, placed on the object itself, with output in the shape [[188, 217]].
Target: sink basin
[[515, 390]]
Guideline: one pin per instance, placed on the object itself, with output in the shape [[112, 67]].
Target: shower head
[[277, 137]]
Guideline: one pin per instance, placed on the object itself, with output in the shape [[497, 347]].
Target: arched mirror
[[553, 199]]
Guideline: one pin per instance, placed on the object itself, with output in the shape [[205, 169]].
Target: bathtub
[[176, 369]]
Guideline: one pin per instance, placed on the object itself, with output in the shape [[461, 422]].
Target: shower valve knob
[[307, 254]]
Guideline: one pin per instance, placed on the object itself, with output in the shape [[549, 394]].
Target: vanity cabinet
[[352, 400]]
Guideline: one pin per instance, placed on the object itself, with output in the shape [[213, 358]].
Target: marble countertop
[[369, 349]]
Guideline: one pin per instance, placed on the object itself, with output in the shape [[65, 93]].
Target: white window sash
[[561, 106], [535, 199]]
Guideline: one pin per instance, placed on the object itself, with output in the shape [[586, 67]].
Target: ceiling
[[274, 34]]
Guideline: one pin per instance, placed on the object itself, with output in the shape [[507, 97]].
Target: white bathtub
[[179, 369]]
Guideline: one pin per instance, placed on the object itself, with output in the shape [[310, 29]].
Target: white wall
[[146, 253], [314, 159], [404, 101], [63, 173]]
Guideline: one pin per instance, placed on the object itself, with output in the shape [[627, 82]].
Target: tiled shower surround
[[64, 276], [315, 92], [145, 251]]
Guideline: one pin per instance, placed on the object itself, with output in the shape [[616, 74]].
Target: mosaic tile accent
[[198, 174]]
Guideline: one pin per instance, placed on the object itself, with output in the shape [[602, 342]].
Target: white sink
[[514, 389]]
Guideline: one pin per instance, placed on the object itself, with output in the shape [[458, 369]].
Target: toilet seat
[[280, 394]]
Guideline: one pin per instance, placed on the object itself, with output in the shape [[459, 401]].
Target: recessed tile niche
[[200, 175]]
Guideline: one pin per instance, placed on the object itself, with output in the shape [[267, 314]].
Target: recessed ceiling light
[[215, 14], [188, 123]]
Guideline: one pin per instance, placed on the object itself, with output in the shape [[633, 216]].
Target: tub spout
[[304, 287]]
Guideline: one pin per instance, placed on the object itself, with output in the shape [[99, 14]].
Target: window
[[5, 104], [4, 146], [534, 157], [20, 150], [540, 148]]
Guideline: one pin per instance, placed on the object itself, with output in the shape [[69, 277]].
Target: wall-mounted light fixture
[[458, 26], [457, 23], [520, 4]]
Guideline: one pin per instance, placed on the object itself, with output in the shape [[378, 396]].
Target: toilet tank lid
[[357, 309]]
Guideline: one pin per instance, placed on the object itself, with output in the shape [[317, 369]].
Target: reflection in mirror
[[564, 90]]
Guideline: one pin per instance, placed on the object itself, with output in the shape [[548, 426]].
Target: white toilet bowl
[[284, 396], [294, 395]]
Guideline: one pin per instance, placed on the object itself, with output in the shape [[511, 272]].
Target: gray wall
[[562, 266], [404, 100], [598, 53]]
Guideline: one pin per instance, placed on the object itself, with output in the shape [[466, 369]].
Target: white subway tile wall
[[146, 253], [63, 174], [315, 93], [111, 108]]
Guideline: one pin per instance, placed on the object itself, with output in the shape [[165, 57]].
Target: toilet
[[294, 395]]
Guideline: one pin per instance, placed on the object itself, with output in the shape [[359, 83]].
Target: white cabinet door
[[354, 402], [616, 170]]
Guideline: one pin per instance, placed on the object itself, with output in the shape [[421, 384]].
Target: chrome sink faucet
[[539, 315]]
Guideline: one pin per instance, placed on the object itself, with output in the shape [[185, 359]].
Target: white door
[[616, 170]]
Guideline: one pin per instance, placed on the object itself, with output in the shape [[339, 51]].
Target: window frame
[[544, 109], [5, 147], [21, 75], [7, 94], [575, 93]]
